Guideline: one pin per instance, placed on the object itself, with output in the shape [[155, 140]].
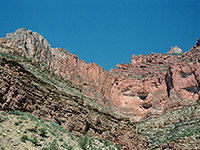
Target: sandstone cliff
[[94, 80], [83, 98], [149, 84]]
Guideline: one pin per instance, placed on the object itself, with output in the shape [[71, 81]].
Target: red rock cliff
[[95, 81], [148, 86]]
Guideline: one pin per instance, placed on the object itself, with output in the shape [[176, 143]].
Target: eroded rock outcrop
[[22, 90], [95, 81], [152, 84], [175, 50], [148, 86]]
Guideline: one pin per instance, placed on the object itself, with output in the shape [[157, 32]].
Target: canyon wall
[[94, 80], [148, 86]]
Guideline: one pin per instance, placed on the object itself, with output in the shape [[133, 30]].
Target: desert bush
[[42, 139], [17, 123], [61, 139], [32, 117], [68, 147], [16, 112], [24, 138], [119, 147], [34, 141], [43, 132], [53, 145], [83, 142]]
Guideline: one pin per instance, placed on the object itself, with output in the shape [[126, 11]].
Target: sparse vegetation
[[119, 147], [17, 123], [172, 126], [53, 145], [34, 141], [43, 132], [68, 147], [41, 138], [53, 136], [106, 143], [32, 117], [24, 138], [61, 139], [190, 60], [137, 77], [83, 142], [16, 112], [175, 54]]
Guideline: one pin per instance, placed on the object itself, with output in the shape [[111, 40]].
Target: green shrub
[[24, 138], [64, 145], [53, 145], [57, 126], [38, 124], [23, 118], [43, 132], [44, 148], [3, 113], [189, 60], [52, 132], [61, 139], [83, 142], [16, 112], [42, 139], [71, 136], [93, 148], [100, 140], [70, 148], [2, 148], [106, 143], [119, 147], [34, 141], [111, 148], [32, 117], [17, 123], [175, 54], [198, 137]]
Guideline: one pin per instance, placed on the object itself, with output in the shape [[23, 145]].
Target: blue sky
[[106, 32]]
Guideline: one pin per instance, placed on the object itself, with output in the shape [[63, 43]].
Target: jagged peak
[[175, 49], [20, 30], [25, 40], [198, 42]]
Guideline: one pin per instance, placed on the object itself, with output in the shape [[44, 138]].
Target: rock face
[[173, 130], [95, 81], [83, 98], [148, 86], [175, 50], [152, 84], [22, 90]]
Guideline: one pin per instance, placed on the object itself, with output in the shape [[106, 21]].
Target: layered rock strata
[[148, 86], [22, 90], [94, 80]]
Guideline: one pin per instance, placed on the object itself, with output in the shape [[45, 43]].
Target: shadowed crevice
[[169, 81]]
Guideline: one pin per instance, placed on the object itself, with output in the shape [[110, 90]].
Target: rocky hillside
[[25, 131], [151, 103], [29, 87], [148, 83]]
